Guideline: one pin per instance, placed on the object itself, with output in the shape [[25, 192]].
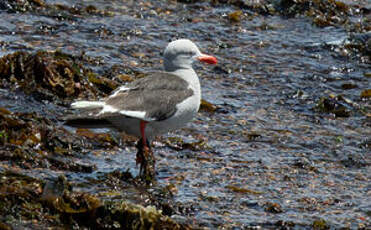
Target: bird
[[160, 102]]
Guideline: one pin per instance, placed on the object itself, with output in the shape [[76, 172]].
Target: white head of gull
[[180, 54]]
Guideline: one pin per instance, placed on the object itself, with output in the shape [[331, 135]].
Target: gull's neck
[[190, 76]]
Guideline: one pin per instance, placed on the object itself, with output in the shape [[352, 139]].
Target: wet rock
[[69, 12], [205, 196], [122, 74], [207, 106], [17, 196], [360, 42], [249, 203], [262, 7], [123, 215], [160, 197], [281, 224], [50, 76], [55, 187], [88, 211], [222, 69], [235, 16], [31, 141], [334, 105], [125, 78], [320, 224], [238, 189], [273, 207], [252, 135], [4, 226], [104, 84], [21, 5], [122, 176], [304, 163], [353, 160], [291, 7], [323, 12], [179, 144], [356, 46], [366, 93], [69, 165], [100, 140], [347, 86], [91, 9], [366, 144], [74, 203]]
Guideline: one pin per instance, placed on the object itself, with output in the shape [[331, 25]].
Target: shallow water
[[267, 145]]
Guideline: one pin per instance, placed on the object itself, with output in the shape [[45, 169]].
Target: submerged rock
[[360, 42], [366, 93], [21, 6], [235, 16], [334, 105], [179, 144], [55, 10], [323, 12], [30, 141], [207, 106], [273, 207], [320, 224]]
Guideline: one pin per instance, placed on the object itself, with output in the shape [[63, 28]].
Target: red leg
[[143, 132], [145, 156]]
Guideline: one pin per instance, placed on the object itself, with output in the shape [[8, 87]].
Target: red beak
[[208, 59]]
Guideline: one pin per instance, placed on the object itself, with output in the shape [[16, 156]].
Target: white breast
[[186, 111]]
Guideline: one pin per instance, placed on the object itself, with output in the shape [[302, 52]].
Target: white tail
[[87, 105]]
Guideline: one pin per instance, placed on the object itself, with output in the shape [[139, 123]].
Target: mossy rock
[[52, 76], [125, 215], [21, 6], [28, 141]]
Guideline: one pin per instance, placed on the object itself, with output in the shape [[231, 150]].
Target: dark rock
[[335, 105], [273, 207]]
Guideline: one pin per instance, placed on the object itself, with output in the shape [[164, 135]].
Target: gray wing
[[153, 98]]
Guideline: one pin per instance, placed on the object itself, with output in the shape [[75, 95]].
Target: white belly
[[186, 111]]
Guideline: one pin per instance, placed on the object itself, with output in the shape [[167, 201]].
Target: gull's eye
[[190, 53]]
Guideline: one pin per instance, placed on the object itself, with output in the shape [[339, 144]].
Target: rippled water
[[265, 139]]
